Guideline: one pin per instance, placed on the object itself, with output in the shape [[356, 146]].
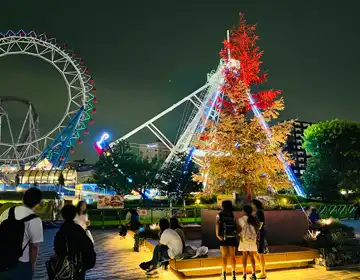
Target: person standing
[[82, 218], [21, 232], [248, 235], [72, 239], [262, 247], [226, 232]]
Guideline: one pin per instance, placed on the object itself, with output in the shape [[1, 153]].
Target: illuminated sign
[[102, 146], [102, 140], [150, 146]]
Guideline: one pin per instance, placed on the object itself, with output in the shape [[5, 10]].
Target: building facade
[[295, 148], [152, 150]]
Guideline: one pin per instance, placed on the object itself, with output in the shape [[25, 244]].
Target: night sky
[[134, 48]]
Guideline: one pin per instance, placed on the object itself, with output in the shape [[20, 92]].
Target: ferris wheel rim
[[66, 58]]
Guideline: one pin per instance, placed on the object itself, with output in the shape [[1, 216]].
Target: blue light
[[289, 172], [129, 180], [103, 138]]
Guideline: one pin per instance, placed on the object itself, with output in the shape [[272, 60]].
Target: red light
[[98, 149], [86, 131], [62, 158], [92, 81], [72, 150], [91, 121], [95, 101], [93, 111], [93, 91], [80, 141]]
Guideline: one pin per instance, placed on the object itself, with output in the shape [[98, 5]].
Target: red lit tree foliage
[[243, 48], [239, 151]]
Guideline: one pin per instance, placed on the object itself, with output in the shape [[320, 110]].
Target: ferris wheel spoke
[[6, 152], [23, 125], [29, 144], [10, 46], [60, 60]]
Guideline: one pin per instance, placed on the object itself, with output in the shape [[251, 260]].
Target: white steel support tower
[[204, 102]]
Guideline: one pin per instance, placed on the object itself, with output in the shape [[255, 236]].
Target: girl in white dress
[[82, 219], [248, 233]]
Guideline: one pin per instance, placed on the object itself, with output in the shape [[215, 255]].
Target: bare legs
[[232, 258], [228, 252], [224, 253], [251, 255], [261, 259]]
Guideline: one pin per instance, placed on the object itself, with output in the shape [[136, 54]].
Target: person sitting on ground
[[170, 246], [174, 224], [71, 237], [21, 232]]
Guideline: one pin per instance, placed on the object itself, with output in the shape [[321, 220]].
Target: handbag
[[67, 268]]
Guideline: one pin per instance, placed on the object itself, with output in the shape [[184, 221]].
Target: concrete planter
[[282, 227]]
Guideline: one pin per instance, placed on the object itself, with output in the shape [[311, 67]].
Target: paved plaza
[[117, 260]]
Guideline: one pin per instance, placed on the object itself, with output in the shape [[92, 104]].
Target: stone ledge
[[282, 257]]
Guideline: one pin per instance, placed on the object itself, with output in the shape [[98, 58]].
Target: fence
[[116, 217], [336, 211]]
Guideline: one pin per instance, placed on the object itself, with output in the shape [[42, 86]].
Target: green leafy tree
[[335, 163], [176, 179], [124, 171]]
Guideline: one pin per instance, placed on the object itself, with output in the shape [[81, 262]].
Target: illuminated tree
[[175, 180], [124, 171], [241, 156]]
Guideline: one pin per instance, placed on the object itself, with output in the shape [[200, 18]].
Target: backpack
[[11, 240], [249, 234], [228, 226]]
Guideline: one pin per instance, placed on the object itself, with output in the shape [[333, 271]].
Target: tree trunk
[[248, 193]]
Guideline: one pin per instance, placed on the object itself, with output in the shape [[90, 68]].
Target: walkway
[[117, 260]]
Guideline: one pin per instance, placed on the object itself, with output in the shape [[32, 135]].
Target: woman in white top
[[249, 227], [174, 224], [82, 218]]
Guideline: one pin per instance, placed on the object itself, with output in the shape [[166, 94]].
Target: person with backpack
[[249, 227], [21, 232], [226, 232]]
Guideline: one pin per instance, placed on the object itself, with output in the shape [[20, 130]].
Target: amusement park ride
[[30, 151], [207, 103], [48, 152]]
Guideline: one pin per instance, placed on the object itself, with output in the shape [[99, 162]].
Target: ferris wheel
[[80, 91]]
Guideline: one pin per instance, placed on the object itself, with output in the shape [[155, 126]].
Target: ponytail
[[251, 219]]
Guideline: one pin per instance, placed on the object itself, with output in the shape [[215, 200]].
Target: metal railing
[[116, 217], [336, 211]]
